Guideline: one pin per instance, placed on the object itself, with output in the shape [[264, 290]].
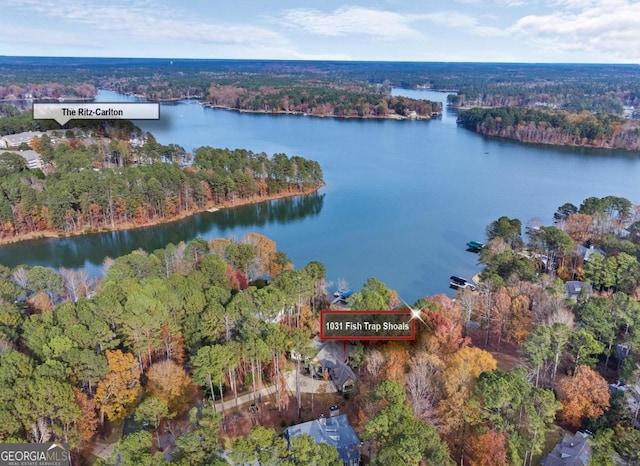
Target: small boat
[[475, 245], [343, 293], [347, 293], [213, 209]]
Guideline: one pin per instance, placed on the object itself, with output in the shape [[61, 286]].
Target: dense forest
[[157, 330], [96, 179], [164, 336], [544, 126], [320, 102]]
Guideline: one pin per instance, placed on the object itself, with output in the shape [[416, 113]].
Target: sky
[[549, 31]]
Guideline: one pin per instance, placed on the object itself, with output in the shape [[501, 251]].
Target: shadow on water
[[281, 211], [90, 250]]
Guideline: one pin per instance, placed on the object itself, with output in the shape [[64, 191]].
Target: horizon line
[[303, 60]]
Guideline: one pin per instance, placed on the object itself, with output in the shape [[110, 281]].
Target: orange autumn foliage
[[88, 424], [396, 359], [490, 449], [584, 395], [444, 336], [168, 381], [40, 302], [458, 379], [118, 392], [578, 227], [521, 320]]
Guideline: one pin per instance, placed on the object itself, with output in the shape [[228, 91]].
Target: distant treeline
[[574, 97], [322, 101], [47, 90], [572, 87], [545, 126]]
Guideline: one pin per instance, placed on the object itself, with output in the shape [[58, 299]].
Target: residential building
[[332, 357], [572, 450], [335, 431], [586, 252], [574, 288]]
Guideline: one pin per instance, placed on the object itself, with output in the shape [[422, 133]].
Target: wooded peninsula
[[111, 176], [545, 126]]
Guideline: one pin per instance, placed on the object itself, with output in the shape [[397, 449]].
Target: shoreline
[[556, 145], [50, 234], [347, 117], [202, 102]]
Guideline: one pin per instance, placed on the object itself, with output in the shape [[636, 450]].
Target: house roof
[[16, 139], [586, 252], [330, 351], [340, 375], [571, 451], [574, 287], [331, 354], [335, 431]]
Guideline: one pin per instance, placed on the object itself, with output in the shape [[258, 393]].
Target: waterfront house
[[335, 431]]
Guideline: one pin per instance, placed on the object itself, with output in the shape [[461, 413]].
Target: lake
[[402, 197]]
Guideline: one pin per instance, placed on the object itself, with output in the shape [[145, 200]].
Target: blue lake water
[[402, 197]]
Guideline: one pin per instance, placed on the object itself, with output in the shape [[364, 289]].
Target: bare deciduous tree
[[20, 277], [374, 362], [422, 388]]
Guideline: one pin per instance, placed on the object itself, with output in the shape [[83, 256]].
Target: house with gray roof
[[335, 431], [574, 288], [587, 252], [332, 357], [573, 450]]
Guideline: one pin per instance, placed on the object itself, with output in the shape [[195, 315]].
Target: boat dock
[[460, 283]]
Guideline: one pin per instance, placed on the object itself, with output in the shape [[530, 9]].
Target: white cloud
[[348, 20], [608, 30], [511, 3], [148, 21], [31, 36], [462, 22]]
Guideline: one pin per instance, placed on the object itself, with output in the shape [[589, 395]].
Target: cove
[[402, 197]]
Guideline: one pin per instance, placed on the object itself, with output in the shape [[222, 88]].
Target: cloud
[[148, 20], [349, 20], [511, 3], [462, 22], [32, 36], [606, 29]]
